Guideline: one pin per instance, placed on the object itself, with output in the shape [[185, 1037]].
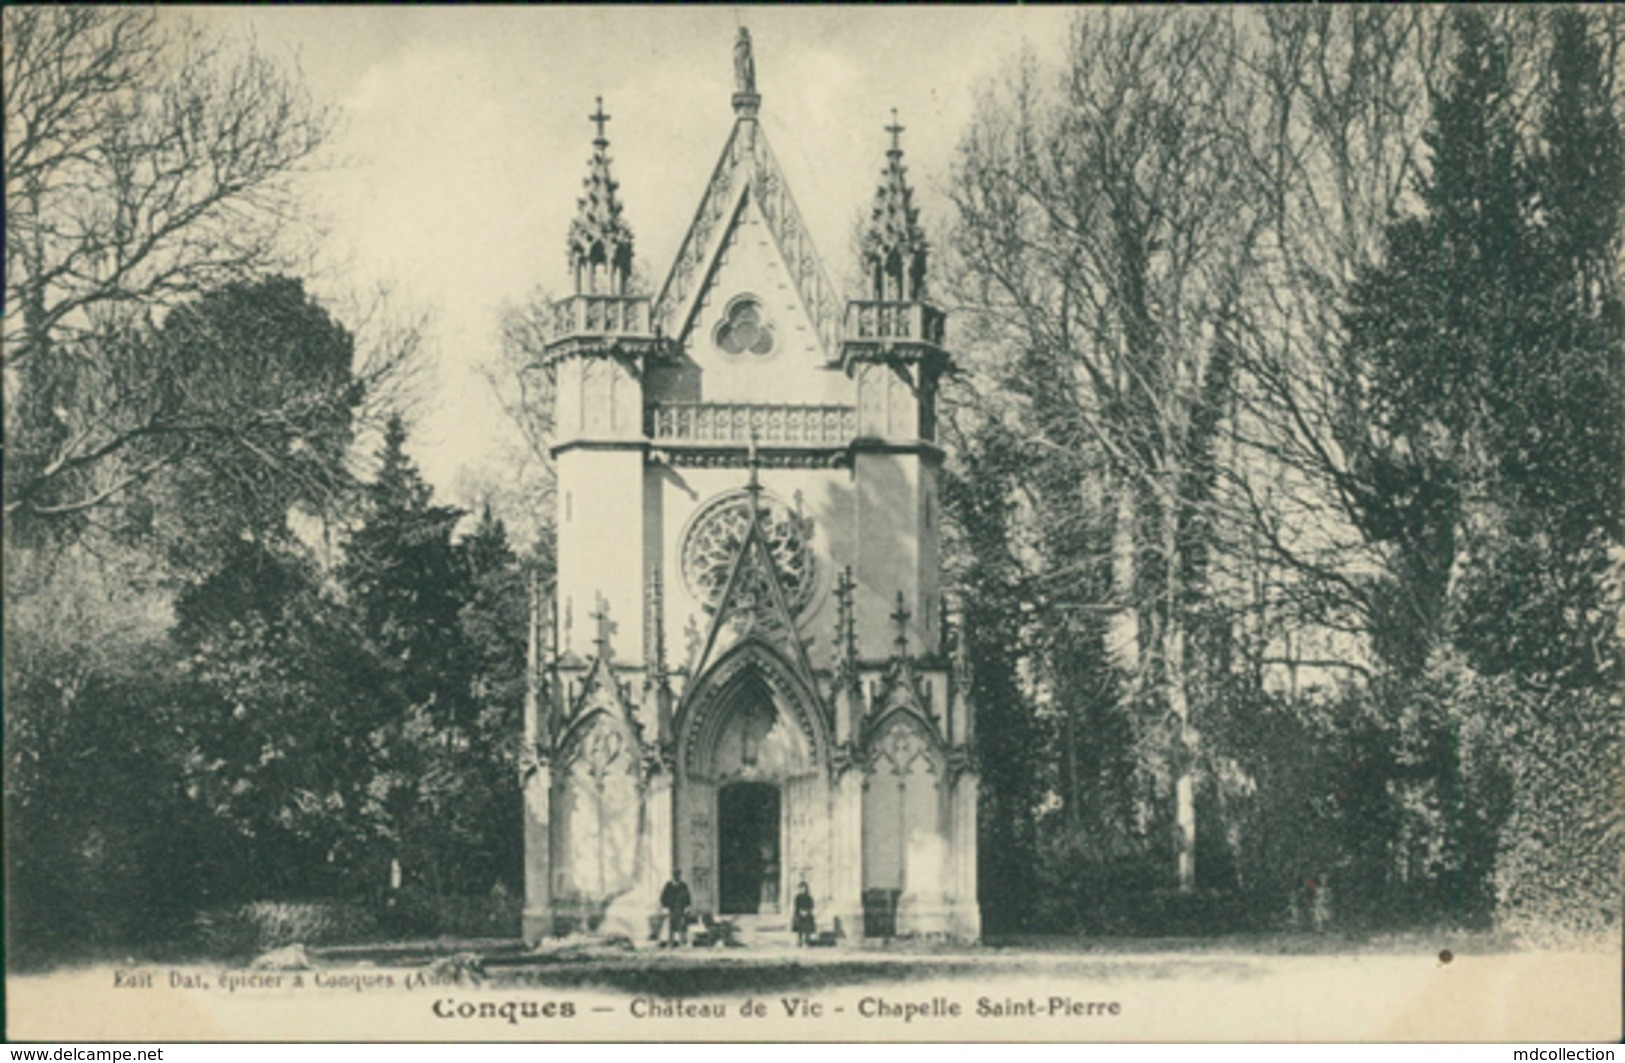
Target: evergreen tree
[[102, 841], [1540, 601], [1427, 329], [1431, 332], [405, 581], [445, 624], [1537, 602], [493, 625]]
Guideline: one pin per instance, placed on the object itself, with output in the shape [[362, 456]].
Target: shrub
[[255, 927], [1558, 867]]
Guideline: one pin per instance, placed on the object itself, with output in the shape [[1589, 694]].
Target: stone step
[[759, 931]]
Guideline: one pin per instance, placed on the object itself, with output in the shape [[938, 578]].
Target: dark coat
[[804, 922], [675, 897]]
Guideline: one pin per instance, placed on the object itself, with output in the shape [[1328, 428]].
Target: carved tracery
[[717, 533]]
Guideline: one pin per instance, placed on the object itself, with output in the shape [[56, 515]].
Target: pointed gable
[[748, 183], [600, 690], [900, 689], [753, 605]]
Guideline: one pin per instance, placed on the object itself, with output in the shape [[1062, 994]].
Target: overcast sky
[[464, 139]]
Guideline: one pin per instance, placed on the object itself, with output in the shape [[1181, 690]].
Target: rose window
[[718, 531], [743, 330]]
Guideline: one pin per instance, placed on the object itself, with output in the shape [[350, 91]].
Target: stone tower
[[745, 669]]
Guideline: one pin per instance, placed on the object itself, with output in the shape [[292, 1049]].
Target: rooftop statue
[[744, 64]]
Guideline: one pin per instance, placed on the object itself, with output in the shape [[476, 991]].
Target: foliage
[[143, 167], [1557, 870], [401, 575], [279, 375], [283, 718], [1293, 349], [1010, 739], [1104, 281], [246, 930], [285, 742], [99, 832], [1359, 417], [1541, 599], [444, 627], [1483, 373]]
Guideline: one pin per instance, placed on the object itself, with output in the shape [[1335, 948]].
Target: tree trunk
[[1174, 678]]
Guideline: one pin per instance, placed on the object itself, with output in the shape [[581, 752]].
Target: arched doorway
[[749, 828], [752, 800]]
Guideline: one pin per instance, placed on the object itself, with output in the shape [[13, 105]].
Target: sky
[[463, 138]]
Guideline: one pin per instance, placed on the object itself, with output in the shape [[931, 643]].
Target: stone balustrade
[[735, 422], [869, 319], [604, 315]]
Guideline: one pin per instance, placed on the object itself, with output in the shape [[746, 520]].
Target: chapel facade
[[745, 669]]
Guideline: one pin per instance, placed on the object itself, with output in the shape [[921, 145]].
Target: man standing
[[675, 899], [805, 923]]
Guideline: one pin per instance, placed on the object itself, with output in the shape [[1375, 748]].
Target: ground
[[1279, 989]]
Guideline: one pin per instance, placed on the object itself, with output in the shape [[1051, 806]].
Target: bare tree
[[143, 167], [1338, 154], [523, 386], [1104, 232], [1332, 152]]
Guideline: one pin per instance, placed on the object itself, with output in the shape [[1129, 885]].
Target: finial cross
[[847, 636], [844, 587], [606, 627], [598, 117], [753, 460], [896, 132], [901, 617]]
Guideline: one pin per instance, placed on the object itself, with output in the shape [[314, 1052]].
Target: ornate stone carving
[[894, 247], [748, 154], [801, 458], [736, 422], [846, 630], [605, 628], [901, 743], [845, 757], [600, 240], [693, 643], [716, 537], [790, 691], [654, 639], [749, 610], [900, 618], [962, 760], [600, 751]]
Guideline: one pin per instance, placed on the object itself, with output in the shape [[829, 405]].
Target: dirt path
[[992, 995]]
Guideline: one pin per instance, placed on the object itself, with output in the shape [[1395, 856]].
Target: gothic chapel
[[745, 670]]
